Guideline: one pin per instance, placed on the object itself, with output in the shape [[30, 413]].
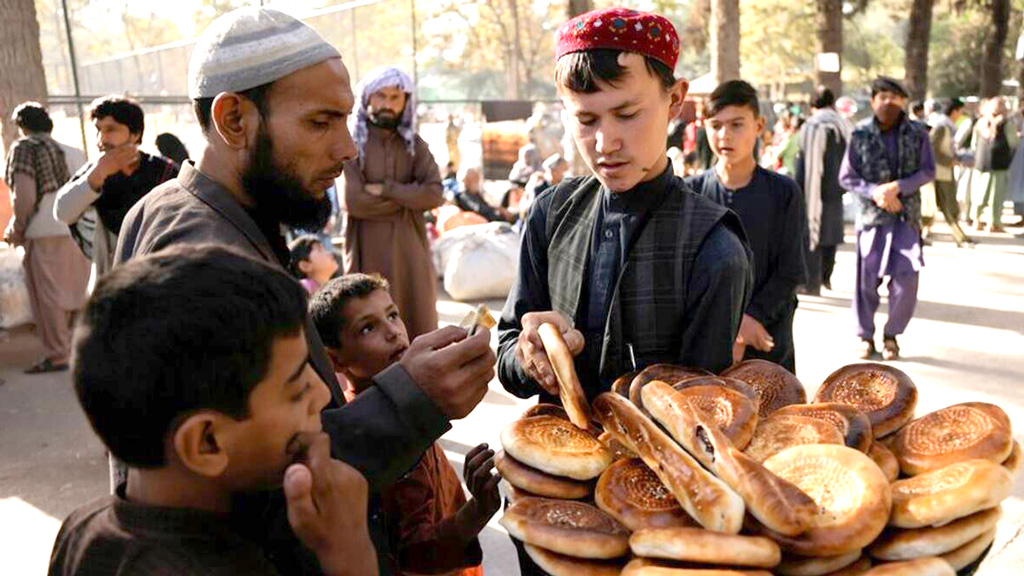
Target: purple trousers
[[892, 250]]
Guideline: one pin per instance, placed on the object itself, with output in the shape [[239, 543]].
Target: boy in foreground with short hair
[[192, 367], [432, 529], [770, 205]]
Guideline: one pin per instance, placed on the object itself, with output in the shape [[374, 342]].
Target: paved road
[[965, 343]]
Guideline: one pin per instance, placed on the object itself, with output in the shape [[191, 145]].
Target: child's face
[[372, 338], [733, 133], [284, 406], [620, 130], [321, 262]]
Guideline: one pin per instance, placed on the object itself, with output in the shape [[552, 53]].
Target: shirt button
[[608, 233]]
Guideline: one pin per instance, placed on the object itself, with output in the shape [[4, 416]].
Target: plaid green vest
[[650, 294]]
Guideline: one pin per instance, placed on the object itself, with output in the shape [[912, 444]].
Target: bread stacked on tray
[[709, 475]]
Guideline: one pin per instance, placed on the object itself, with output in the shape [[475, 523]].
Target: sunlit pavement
[[965, 343]]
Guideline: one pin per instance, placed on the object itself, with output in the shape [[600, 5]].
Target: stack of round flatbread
[[686, 473]]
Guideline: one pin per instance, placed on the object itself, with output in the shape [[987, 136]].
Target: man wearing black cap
[[888, 160]]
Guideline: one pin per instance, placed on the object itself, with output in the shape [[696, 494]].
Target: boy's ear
[[760, 124], [677, 96], [336, 358], [305, 266], [196, 445]]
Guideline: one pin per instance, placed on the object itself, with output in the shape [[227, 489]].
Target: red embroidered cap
[[620, 29]]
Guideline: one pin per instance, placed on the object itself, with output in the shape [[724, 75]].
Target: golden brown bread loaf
[[900, 544], [704, 497], [540, 483], [774, 502], [733, 384], [885, 394], [952, 434], [665, 373], [570, 392], [567, 527], [965, 555], [815, 566], [777, 433], [1014, 460], [941, 496], [557, 564], [705, 547], [618, 449], [621, 384], [631, 493], [851, 422], [921, 567], [775, 386], [732, 412], [556, 446], [647, 567], [885, 460], [851, 494], [545, 409], [860, 566]]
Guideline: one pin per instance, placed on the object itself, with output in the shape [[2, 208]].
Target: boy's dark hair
[[171, 147], [203, 107], [953, 105], [733, 93], [122, 109], [917, 108], [33, 118], [326, 306], [185, 329], [300, 249], [822, 98], [583, 71], [887, 84]]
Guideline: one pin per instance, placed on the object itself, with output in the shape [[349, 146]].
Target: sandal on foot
[[47, 366]]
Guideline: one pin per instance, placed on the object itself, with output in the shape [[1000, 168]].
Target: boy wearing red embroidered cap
[[631, 265]]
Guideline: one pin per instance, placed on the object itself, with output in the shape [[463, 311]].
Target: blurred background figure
[[172, 148]]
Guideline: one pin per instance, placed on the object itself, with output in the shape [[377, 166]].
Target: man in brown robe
[[387, 190], [56, 272]]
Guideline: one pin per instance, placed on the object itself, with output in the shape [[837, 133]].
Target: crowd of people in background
[[756, 206]]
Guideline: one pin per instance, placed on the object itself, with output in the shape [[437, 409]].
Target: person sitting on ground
[[242, 414], [311, 262], [770, 206], [432, 528], [470, 198]]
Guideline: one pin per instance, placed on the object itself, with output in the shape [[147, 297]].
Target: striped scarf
[[375, 81]]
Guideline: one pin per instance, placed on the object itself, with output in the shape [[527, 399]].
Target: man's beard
[[385, 119], [278, 192]]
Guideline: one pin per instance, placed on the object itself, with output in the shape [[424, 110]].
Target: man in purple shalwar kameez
[[888, 160]]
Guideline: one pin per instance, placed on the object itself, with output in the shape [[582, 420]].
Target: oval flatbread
[[732, 412], [567, 527], [553, 445], [851, 422], [725, 382], [919, 567], [775, 386], [860, 566], [705, 547], [941, 496], [851, 493], [885, 460], [618, 449], [545, 409], [540, 483], [669, 373], [967, 554], [815, 566], [648, 567], [952, 434], [621, 384], [570, 392], [1014, 460], [886, 395], [631, 493], [900, 544], [777, 433], [557, 564]]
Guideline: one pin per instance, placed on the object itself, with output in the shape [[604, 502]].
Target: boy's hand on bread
[[453, 369], [327, 502], [530, 352]]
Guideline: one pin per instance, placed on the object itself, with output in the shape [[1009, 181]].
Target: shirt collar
[[642, 196]]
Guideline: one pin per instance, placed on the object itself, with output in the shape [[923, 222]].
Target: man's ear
[[196, 445], [235, 118], [677, 96]]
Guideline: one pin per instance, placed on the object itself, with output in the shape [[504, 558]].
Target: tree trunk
[[21, 63], [916, 49], [577, 7], [830, 39], [725, 40], [992, 51]]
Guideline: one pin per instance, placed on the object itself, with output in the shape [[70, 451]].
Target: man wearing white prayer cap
[[273, 99]]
